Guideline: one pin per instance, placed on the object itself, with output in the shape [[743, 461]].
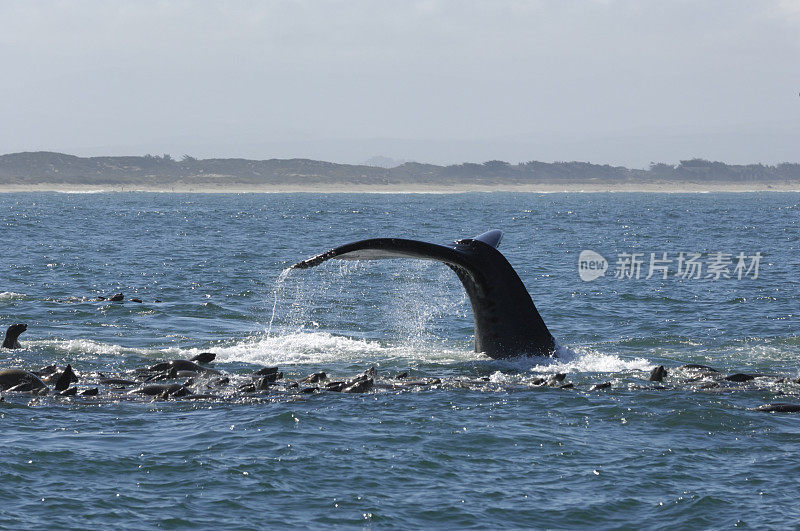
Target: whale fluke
[[507, 323]]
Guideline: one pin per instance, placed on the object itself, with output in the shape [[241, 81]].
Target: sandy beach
[[411, 188]]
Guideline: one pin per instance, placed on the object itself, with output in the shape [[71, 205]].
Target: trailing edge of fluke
[[507, 323]]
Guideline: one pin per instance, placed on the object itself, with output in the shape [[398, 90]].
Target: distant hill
[[58, 168]]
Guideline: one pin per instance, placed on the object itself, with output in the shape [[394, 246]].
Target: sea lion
[[740, 377], [63, 379], [272, 377], [335, 386], [117, 381], [180, 365], [264, 383], [47, 370], [361, 385], [17, 379], [204, 357], [778, 407], [698, 367], [658, 374], [12, 333], [315, 378], [162, 390]]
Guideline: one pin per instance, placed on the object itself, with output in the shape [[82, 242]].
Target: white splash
[[279, 282], [584, 359], [11, 296], [323, 348], [579, 360], [84, 347]]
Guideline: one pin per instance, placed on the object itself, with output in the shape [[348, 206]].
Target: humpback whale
[[507, 323]]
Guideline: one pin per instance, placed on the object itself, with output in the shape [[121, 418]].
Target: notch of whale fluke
[[507, 323]]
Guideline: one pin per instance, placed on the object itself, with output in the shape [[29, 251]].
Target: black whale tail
[[507, 323]]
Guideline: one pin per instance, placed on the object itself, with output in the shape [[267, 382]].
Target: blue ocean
[[479, 443]]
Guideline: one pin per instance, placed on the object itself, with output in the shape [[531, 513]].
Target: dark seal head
[[12, 335], [658, 374], [204, 357]]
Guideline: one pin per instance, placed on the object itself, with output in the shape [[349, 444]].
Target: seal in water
[[507, 323], [11, 378], [204, 357], [180, 365], [12, 333], [162, 390], [778, 407]]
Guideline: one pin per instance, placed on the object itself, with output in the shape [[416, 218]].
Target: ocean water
[[486, 447]]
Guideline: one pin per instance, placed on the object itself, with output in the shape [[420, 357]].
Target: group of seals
[[174, 379], [19, 380], [193, 379], [181, 379], [203, 382]]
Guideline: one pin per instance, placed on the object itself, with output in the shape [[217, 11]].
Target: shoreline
[[234, 188]]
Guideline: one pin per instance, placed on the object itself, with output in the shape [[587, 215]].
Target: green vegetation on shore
[[58, 168]]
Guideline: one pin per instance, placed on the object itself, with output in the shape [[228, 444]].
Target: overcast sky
[[619, 82]]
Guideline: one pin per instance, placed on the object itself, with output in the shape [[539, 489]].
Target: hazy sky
[[620, 82]]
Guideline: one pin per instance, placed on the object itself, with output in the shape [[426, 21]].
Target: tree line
[[49, 167]]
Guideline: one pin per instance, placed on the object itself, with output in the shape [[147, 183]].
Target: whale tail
[[507, 323]]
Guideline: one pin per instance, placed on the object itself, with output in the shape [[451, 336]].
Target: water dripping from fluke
[[277, 290]]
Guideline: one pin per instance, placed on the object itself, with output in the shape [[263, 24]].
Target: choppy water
[[500, 454]]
